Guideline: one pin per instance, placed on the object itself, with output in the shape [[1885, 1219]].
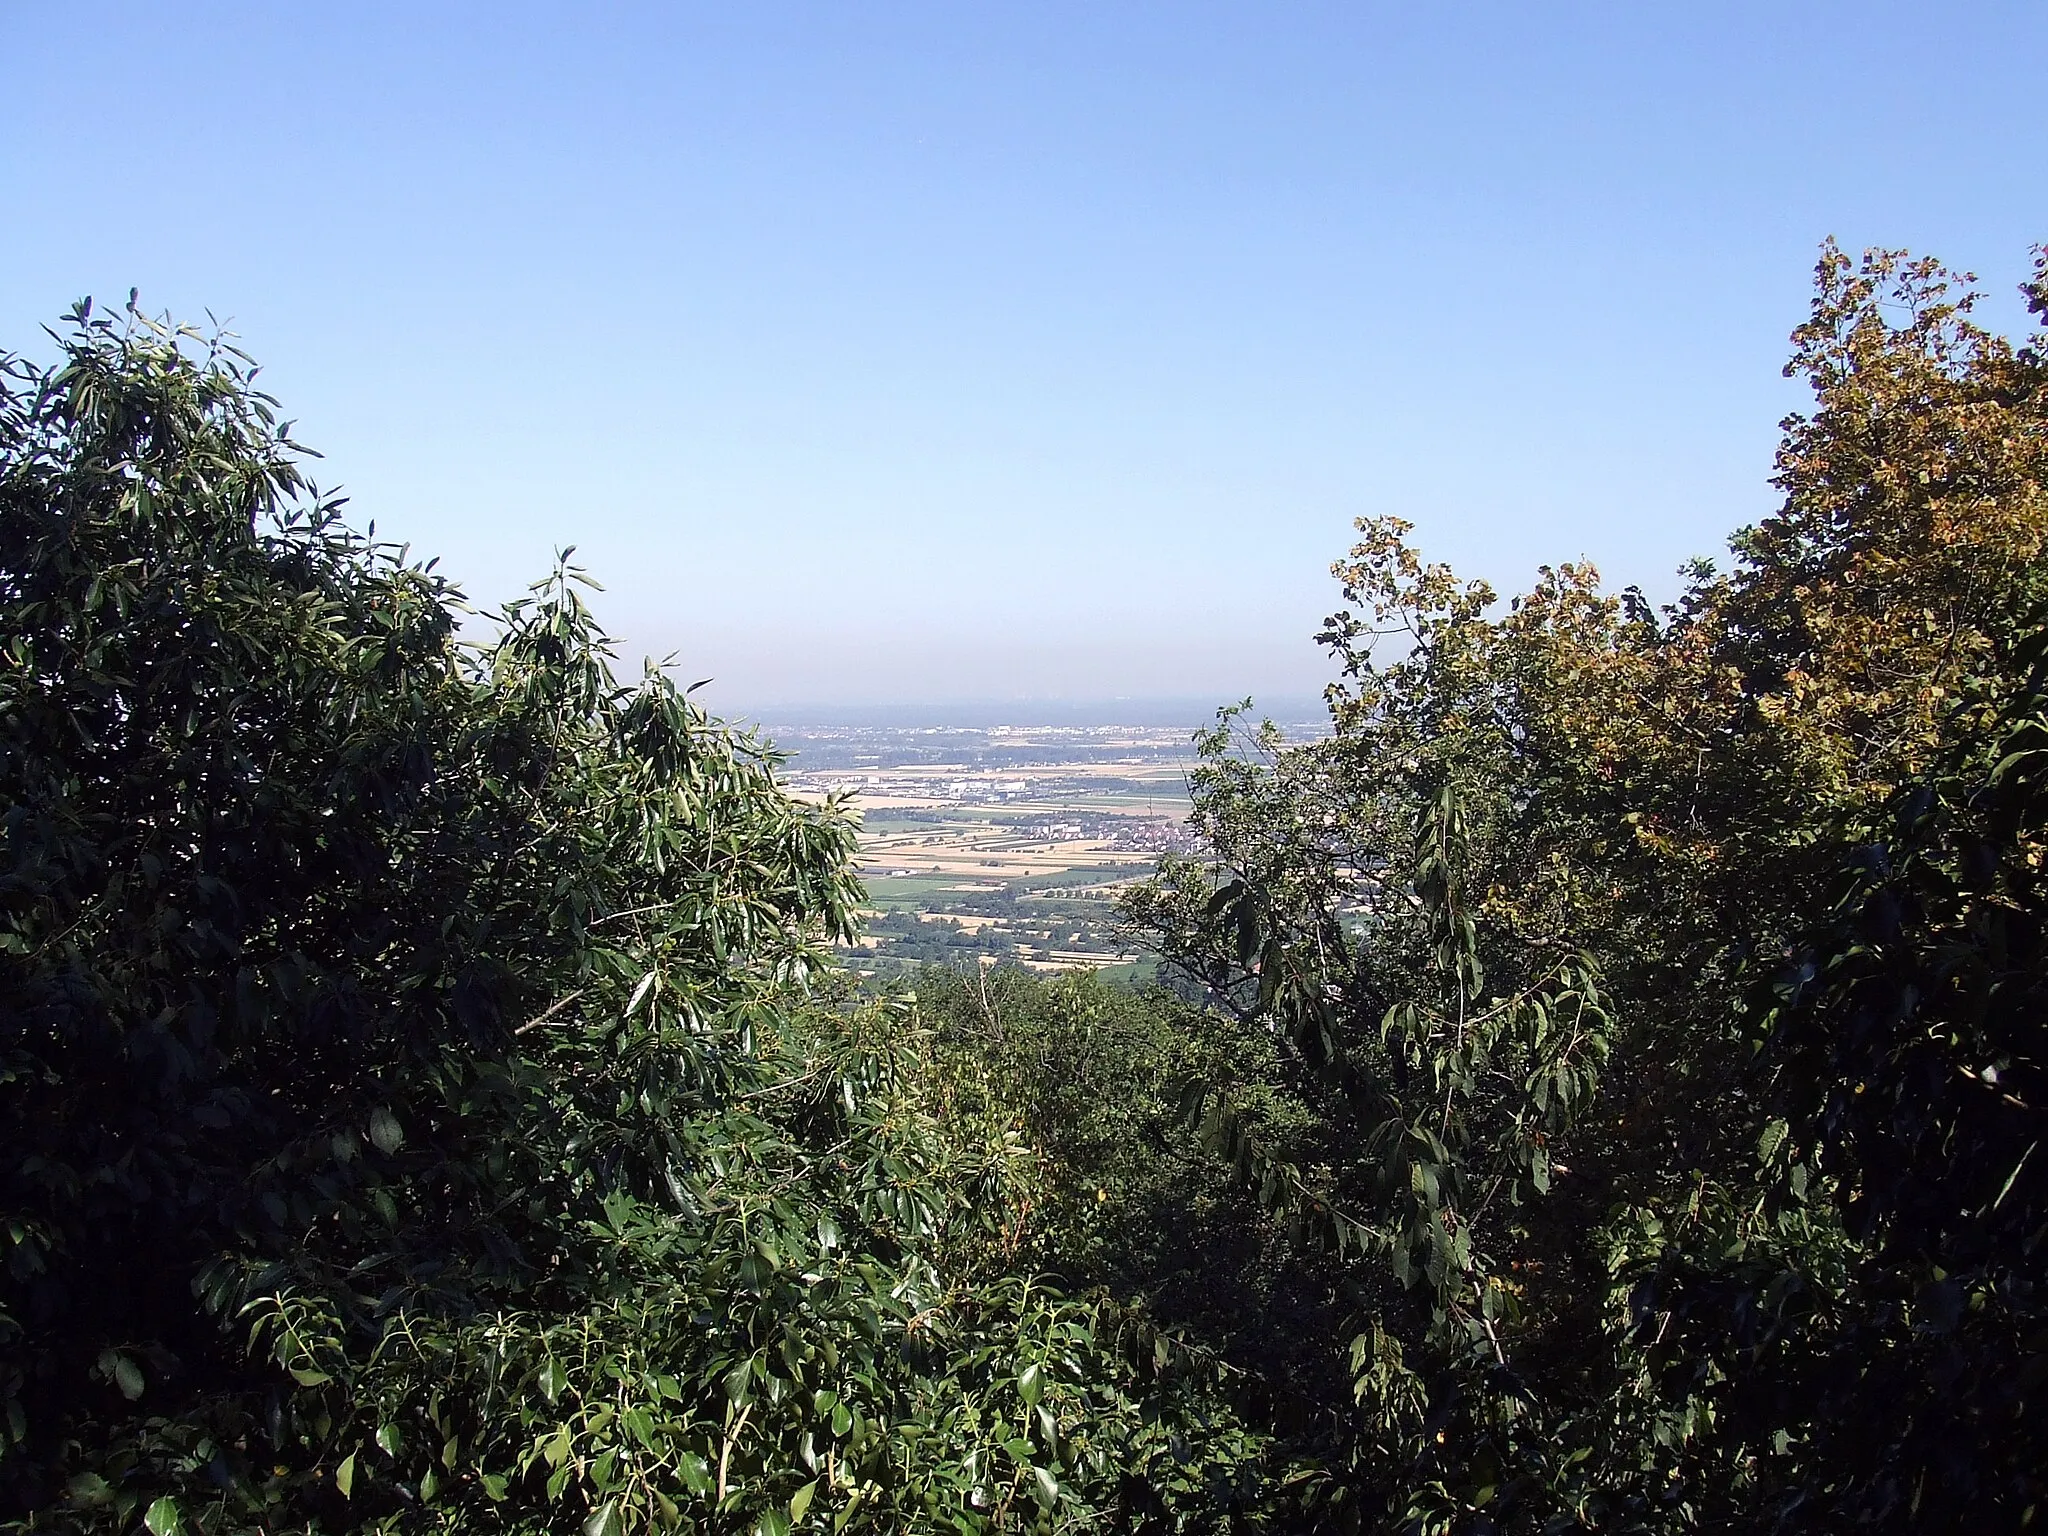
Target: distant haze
[[768, 670], [982, 714], [913, 351]]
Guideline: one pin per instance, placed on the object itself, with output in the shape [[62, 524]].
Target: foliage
[[1508, 926], [427, 1101], [425, 1104], [1910, 1053], [1091, 1075]]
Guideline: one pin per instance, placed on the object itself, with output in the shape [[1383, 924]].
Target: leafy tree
[[1909, 1056], [1090, 1074], [1507, 926], [423, 1103]]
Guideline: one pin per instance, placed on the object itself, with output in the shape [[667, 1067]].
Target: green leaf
[[1048, 1486], [800, 1501], [388, 1440], [558, 1447], [385, 1132], [552, 1380], [640, 992], [1032, 1385], [163, 1519], [128, 1377], [605, 1520], [345, 1474]]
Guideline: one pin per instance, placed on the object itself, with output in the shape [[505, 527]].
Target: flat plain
[[982, 844]]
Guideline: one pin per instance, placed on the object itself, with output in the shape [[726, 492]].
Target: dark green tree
[[423, 1101], [1911, 1065]]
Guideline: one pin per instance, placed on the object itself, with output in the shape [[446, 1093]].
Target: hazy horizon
[[918, 352], [989, 713]]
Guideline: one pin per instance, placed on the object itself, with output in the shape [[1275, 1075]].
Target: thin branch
[[613, 917], [542, 1018], [788, 1082]]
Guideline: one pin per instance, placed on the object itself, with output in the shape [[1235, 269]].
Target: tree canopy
[[1598, 1086], [426, 1100], [1655, 988]]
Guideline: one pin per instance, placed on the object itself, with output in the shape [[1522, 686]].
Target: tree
[[1911, 1064], [1508, 925], [426, 1099], [423, 1099]]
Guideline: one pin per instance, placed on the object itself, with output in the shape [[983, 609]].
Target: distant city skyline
[[913, 352]]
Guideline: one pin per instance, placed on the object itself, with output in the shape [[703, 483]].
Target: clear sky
[[901, 352]]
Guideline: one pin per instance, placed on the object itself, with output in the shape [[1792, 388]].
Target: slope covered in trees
[[1602, 1087], [425, 1101]]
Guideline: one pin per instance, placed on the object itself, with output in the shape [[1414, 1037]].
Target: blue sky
[[897, 352]]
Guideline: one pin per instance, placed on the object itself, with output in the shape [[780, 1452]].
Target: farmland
[[985, 844]]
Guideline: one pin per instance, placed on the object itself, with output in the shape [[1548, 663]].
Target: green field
[[1012, 852]]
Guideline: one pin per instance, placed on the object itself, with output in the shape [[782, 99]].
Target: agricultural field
[[1000, 843]]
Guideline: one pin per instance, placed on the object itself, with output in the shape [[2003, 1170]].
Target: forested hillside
[[1600, 1086]]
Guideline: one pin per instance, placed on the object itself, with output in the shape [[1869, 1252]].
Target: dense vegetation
[[1657, 993], [1599, 1087], [425, 1100]]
